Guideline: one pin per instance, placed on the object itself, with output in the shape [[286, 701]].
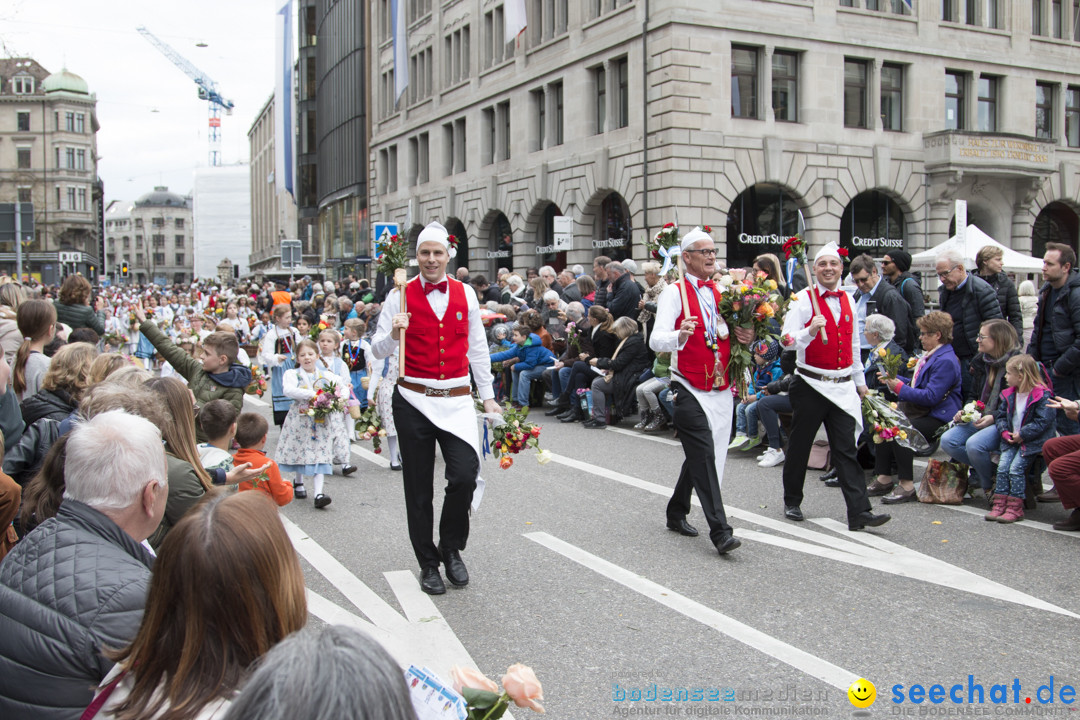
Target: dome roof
[[65, 81], [161, 197]]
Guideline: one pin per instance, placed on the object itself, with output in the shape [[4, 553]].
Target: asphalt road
[[574, 574]]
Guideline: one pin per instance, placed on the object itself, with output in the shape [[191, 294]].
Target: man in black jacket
[[895, 267], [599, 265], [877, 296], [625, 293], [77, 583], [1055, 338], [971, 302]]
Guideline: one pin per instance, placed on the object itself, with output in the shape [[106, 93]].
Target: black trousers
[[889, 452], [418, 436], [809, 410], [699, 468]]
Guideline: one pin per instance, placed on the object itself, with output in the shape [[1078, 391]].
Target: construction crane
[[207, 91]]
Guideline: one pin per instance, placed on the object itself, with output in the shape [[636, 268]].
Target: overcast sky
[[140, 148]]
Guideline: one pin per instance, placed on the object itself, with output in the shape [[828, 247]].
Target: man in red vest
[[700, 348], [827, 388], [433, 402]]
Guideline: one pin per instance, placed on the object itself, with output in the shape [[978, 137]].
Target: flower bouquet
[[369, 427], [750, 302], [485, 702], [890, 363], [392, 255], [330, 397], [971, 412], [512, 434], [257, 386], [573, 336], [884, 421], [659, 246], [316, 330]]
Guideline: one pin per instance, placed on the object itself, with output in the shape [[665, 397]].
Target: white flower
[[543, 457], [727, 280]]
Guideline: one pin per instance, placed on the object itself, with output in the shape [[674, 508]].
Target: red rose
[[669, 225], [842, 252], [707, 229], [656, 254], [536, 431]]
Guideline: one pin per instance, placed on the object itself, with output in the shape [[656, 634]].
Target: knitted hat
[[901, 259], [768, 349]]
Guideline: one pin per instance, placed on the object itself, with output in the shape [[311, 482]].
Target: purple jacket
[[938, 385]]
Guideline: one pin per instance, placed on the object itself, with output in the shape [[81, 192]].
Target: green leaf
[[480, 699]]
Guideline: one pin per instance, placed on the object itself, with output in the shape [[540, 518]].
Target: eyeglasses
[[946, 273], [704, 253], [980, 336]]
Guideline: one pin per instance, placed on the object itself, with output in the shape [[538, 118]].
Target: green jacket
[[80, 316], [185, 492], [202, 383]]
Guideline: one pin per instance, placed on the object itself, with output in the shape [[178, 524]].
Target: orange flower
[[505, 462]]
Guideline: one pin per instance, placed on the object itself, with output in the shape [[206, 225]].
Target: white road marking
[[370, 456], [644, 436], [421, 637], [801, 660], [255, 401], [1035, 525], [862, 550]]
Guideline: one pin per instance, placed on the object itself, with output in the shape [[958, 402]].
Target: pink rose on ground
[[464, 677], [524, 689]]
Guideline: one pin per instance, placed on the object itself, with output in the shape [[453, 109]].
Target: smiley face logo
[[862, 693]]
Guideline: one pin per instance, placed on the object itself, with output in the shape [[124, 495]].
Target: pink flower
[[787, 340], [524, 689], [463, 677]]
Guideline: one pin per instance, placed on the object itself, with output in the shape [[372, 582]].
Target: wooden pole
[[401, 277], [682, 289], [813, 299]]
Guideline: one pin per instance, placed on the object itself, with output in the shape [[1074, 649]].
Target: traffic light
[[123, 269]]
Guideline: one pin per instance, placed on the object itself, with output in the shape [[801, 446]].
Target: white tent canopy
[[976, 239]]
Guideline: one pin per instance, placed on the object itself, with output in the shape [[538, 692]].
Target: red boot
[[1014, 510], [997, 507]]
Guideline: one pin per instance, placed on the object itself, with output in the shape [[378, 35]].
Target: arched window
[[1056, 223], [613, 232], [457, 229], [872, 223], [760, 220], [545, 240], [500, 245]]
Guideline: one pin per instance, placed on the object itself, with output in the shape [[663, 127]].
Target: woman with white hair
[[514, 292], [654, 286], [879, 331]]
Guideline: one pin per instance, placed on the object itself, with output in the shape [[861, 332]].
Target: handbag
[[820, 456], [943, 483]]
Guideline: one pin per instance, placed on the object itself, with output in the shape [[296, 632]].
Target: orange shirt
[[269, 482], [281, 297]]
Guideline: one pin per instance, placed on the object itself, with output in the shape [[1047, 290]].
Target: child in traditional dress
[[329, 341], [306, 446], [354, 351], [381, 392], [277, 351]]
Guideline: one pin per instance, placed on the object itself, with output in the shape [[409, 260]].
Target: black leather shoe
[[594, 424], [431, 582], [299, 492], [321, 501], [728, 543], [867, 519], [455, 568], [557, 410], [825, 476], [395, 468], [348, 470], [575, 417], [682, 527], [793, 512], [832, 482]]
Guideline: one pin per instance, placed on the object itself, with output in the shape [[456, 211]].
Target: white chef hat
[[831, 249], [436, 233], [694, 236]]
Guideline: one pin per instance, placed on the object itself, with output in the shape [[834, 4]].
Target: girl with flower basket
[[312, 435]]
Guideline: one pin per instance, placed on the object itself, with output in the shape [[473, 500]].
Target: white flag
[[515, 18], [401, 49]]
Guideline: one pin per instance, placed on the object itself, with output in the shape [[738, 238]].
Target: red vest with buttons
[[697, 363], [837, 354], [437, 349]]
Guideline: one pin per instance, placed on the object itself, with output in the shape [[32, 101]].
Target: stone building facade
[[153, 236], [852, 120], [273, 214], [48, 157]]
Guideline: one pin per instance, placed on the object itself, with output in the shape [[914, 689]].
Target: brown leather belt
[[823, 378], [435, 392]]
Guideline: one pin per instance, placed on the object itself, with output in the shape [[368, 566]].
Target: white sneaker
[[772, 458]]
